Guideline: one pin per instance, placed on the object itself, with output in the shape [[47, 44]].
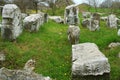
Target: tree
[[89, 3], [115, 5], [2, 2], [94, 3], [35, 4], [22, 4]]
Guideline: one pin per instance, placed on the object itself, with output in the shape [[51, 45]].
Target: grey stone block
[[88, 63]]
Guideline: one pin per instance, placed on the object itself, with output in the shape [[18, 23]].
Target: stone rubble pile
[[114, 44]]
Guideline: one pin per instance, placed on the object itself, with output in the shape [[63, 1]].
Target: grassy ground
[[52, 51]]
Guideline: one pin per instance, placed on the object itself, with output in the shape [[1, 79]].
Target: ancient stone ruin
[[29, 66], [112, 21], [11, 22], [114, 44], [88, 63], [33, 22], [71, 15], [25, 74], [92, 23], [73, 34], [86, 14], [57, 19]]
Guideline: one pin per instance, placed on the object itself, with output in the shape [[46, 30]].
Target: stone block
[[88, 63], [71, 15], [11, 22], [112, 21], [73, 34], [33, 22]]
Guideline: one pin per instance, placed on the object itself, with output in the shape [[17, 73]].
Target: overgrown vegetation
[[52, 51]]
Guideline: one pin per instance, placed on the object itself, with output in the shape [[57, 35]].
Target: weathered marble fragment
[[91, 24], [88, 63], [33, 22], [25, 74], [71, 15], [11, 22], [114, 44], [57, 19], [112, 21], [73, 34]]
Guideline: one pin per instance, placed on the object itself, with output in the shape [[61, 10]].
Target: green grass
[[52, 51], [49, 47]]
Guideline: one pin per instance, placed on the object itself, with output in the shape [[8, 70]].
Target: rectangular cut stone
[[88, 63], [34, 21], [112, 21], [11, 26]]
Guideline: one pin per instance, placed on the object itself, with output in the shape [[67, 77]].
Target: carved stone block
[[11, 22], [112, 21], [88, 63], [71, 15]]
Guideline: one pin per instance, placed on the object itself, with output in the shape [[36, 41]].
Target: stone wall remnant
[[34, 21], [114, 44]]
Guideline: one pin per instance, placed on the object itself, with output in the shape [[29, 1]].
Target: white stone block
[[71, 15], [33, 22], [11, 22], [112, 21], [88, 61]]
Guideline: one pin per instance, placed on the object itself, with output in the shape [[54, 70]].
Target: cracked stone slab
[[88, 62]]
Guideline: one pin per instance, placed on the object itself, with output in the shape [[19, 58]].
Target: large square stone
[[89, 63]]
